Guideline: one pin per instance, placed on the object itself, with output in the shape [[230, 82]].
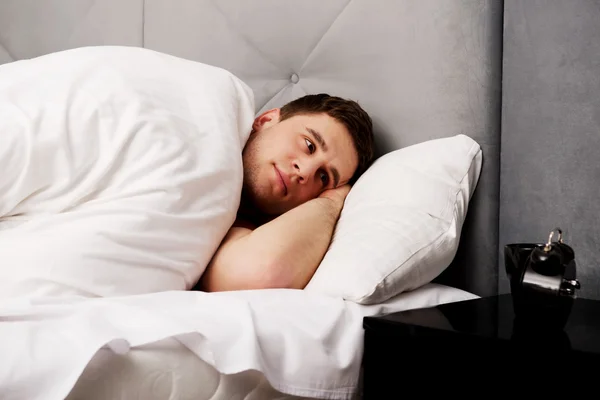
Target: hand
[[338, 195]]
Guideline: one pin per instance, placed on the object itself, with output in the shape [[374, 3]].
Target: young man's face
[[290, 162]]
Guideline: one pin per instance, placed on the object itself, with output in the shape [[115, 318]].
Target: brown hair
[[348, 113]]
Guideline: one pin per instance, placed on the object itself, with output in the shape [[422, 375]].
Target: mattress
[[167, 369]]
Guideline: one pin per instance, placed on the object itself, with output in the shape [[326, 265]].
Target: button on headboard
[[423, 69]]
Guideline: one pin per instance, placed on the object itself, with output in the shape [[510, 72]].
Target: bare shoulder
[[220, 273]]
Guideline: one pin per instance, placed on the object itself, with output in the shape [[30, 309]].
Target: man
[[299, 163]]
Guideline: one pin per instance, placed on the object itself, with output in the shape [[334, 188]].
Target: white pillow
[[401, 222], [122, 167]]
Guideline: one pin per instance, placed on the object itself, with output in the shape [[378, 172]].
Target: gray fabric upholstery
[[29, 28], [423, 69], [551, 129]]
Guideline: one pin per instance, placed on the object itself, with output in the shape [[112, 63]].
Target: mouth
[[285, 190]]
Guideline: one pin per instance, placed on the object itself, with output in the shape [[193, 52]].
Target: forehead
[[339, 150]]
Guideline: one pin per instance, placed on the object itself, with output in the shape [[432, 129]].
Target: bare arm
[[283, 253]]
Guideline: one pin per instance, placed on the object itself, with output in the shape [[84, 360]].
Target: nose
[[305, 170]]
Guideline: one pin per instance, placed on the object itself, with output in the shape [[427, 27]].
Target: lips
[[282, 180]]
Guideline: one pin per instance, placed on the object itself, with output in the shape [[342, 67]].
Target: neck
[[250, 213]]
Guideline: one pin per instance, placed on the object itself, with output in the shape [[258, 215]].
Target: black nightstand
[[476, 348]]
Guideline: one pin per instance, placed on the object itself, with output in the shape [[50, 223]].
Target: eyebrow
[[318, 137], [321, 141]]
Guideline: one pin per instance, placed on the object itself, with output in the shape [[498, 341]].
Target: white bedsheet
[[304, 344]]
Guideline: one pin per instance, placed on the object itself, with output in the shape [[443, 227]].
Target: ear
[[266, 119]]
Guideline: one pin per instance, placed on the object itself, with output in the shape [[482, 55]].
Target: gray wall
[[550, 146]]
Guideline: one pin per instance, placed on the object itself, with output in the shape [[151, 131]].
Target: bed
[[425, 70]]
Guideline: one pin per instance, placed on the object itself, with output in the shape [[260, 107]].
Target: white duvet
[[121, 170]]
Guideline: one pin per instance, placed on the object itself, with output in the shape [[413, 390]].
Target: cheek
[[278, 151], [292, 151]]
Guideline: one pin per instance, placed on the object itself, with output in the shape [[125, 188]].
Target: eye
[[324, 178], [310, 145]]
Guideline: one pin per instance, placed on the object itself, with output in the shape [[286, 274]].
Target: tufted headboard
[[423, 69]]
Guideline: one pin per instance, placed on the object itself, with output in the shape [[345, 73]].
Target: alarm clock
[[543, 281]]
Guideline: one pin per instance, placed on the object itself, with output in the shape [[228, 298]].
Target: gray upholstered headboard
[[423, 69]]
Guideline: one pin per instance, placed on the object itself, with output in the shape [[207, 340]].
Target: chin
[[264, 202]]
